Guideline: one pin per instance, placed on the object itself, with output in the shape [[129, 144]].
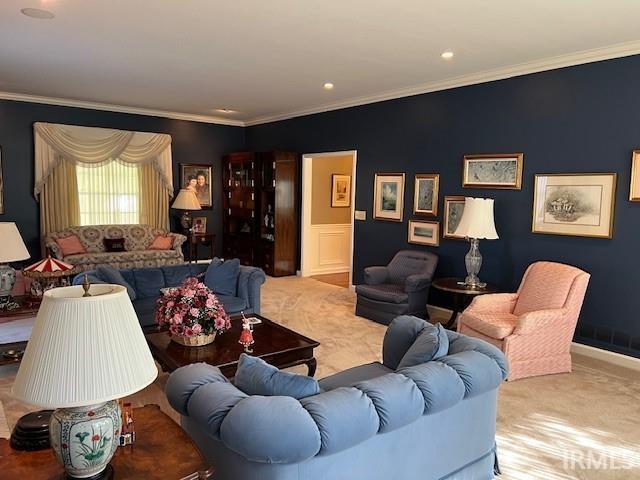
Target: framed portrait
[[199, 224], [634, 191], [574, 204], [425, 194], [1, 186], [499, 170], [388, 196], [424, 233], [453, 209], [340, 190], [197, 177]]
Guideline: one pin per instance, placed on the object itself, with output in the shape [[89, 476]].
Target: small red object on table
[[246, 336]]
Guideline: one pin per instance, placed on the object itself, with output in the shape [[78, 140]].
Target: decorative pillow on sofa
[[222, 278], [114, 244], [162, 242], [111, 275], [431, 344], [70, 245], [256, 377]]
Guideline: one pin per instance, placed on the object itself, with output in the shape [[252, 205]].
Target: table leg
[[311, 365], [457, 307]]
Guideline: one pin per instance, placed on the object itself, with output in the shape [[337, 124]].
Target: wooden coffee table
[[162, 451], [274, 343]]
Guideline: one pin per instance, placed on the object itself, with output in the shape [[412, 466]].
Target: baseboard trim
[[613, 358]]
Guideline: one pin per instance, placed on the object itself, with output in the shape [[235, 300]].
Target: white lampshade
[[477, 219], [84, 350], [13, 248], [186, 200]]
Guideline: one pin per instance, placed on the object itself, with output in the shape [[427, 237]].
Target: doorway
[[328, 205]]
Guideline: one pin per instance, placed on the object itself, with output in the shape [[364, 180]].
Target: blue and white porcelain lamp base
[[84, 439], [7, 281]]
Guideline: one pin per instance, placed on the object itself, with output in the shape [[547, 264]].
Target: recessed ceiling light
[[38, 13], [447, 55], [225, 110], [328, 86]]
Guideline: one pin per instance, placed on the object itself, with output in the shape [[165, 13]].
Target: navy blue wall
[[579, 119], [192, 143]]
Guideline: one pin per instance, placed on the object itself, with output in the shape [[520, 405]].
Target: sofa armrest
[[376, 275], [532, 322], [250, 281], [53, 248], [493, 303], [178, 240], [417, 282]]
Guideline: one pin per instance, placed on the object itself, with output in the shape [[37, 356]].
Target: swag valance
[[97, 146]]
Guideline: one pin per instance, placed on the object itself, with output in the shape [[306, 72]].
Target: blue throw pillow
[[222, 278], [112, 275], [256, 377], [431, 344]]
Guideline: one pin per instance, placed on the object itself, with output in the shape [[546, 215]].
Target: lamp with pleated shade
[[186, 201], [85, 352], [476, 224], [13, 250]]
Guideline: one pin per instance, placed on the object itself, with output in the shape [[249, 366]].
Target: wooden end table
[[462, 294], [274, 343], [28, 307], [162, 451], [194, 240]]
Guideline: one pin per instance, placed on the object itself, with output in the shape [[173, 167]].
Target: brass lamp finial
[[86, 285]]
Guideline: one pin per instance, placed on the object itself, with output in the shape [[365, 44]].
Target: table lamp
[[13, 250], [476, 224], [84, 353], [186, 201]]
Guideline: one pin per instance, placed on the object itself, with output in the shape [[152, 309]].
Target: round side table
[[461, 294]]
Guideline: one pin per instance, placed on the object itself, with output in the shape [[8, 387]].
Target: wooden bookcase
[[261, 210]]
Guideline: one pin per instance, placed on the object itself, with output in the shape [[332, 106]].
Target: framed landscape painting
[[425, 194], [574, 204], [197, 177], [634, 192], [424, 233], [500, 170], [388, 196], [453, 209], [340, 190]]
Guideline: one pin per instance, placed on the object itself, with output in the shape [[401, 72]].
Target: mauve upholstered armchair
[[533, 327], [400, 288]]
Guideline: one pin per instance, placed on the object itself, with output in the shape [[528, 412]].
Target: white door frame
[[307, 158]]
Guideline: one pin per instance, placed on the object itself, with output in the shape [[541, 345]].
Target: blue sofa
[[434, 420], [148, 281]]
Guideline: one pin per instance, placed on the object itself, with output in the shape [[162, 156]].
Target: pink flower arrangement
[[191, 309]]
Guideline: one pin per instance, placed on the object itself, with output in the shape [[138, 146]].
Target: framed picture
[[199, 224], [453, 209], [424, 233], [499, 170], [388, 201], [425, 194], [1, 186], [634, 191], [575, 204], [340, 190], [197, 177]]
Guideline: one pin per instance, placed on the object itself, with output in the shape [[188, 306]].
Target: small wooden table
[[163, 451], [274, 343], [194, 240], [28, 306], [462, 294]]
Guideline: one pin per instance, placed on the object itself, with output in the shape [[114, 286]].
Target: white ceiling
[[268, 59]]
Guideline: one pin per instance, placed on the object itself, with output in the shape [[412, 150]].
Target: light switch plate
[[361, 215]]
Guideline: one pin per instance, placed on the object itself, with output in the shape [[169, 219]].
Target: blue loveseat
[[148, 281], [434, 420]]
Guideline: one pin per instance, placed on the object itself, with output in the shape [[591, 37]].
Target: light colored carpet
[[583, 425]]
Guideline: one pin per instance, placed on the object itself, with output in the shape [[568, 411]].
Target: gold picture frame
[[340, 190], [453, 209], [574, 204], [199, 225], [634, 188], [424, 233], [495, 170], [388, 196], [425, 191]]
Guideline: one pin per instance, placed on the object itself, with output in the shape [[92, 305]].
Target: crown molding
[[551, 63], [21, 97]]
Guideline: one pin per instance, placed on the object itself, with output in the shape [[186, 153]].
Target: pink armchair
[[535, 326]]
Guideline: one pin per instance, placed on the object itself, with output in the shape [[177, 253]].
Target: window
[[108, 194]]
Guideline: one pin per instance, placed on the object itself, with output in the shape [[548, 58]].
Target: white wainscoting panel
[[327, 251]]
